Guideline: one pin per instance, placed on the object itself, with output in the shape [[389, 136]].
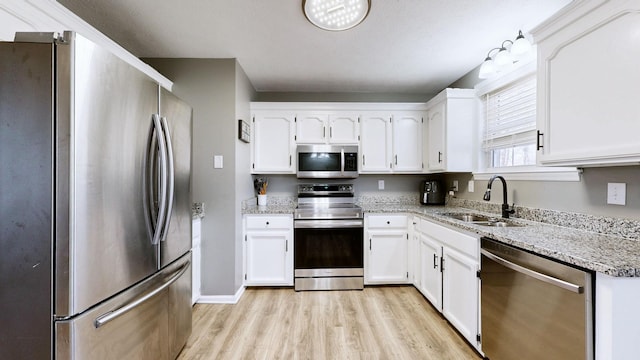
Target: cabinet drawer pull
[[439, 156]]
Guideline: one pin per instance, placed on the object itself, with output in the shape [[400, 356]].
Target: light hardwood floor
[[376, 323]]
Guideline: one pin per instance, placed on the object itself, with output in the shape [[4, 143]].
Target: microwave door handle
[[342, 161]]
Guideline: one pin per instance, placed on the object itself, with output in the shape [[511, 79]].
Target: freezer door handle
[[534, 274], [170, 178], [155, 222], [111, 315]]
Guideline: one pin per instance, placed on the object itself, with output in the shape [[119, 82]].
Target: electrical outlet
[[217, 161], [455, 185], [616, 193], [380, 184], [471, 186]]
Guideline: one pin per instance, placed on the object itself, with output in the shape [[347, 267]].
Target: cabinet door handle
[[363, 162], [435, 261], [369, 244], [330, 132], [538, 142], [439, 156], [324, 132], [286, 245], [289, 160], [396, 159]]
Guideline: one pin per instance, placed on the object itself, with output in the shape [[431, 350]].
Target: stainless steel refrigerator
[[95, 222]]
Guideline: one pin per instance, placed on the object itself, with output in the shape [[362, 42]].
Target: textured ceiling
[[403, 46]]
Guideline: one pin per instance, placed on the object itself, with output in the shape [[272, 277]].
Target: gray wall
[[588, 196], [340, 97], [218, 90]]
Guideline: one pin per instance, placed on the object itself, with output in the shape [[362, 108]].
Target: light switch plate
[[380, 184], [217, 161], [616, 193], [471, 186]]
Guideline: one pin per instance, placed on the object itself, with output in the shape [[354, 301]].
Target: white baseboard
[[221, 299]]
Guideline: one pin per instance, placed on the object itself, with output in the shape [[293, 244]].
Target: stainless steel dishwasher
[[533, 307]]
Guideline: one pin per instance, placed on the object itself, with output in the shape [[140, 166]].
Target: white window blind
[[510, 127]]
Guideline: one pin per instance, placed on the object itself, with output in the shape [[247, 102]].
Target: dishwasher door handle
[[534, 274]]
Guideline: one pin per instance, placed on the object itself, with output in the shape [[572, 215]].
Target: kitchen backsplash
[[627, 228]]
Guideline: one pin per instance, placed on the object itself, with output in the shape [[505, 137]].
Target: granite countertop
[[608, 254]]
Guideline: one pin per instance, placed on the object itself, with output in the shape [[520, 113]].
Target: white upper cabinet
[[407, 141], [451, 131], [326, 128], [375, 143], [390, 135], [311, 128], [588, 111], [344, 129], [273, 142]]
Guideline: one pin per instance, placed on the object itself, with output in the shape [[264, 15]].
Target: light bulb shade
[[503, 59], [487, 69], [336, 15], [521, 47]]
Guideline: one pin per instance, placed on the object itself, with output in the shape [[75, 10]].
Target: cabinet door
[[581, 126], [269, 259], [343, 129], [311, 128], [407, 142], [430, 275], [375, 143], [460, 299], [273, 143], [387, 257], [436, 116]]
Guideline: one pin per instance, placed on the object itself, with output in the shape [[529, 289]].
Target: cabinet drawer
[[269, 222], [460, 241], [387, 222]]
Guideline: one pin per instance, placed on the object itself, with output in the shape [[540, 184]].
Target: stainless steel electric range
[[328, 238]]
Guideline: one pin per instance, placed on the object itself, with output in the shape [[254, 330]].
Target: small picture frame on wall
[[244, 132]]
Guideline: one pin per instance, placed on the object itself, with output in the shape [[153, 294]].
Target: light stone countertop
[[611, 255]]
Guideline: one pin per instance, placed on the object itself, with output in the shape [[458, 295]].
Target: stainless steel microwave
[[327, 161]]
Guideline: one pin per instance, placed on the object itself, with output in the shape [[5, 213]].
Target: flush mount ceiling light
[[504, 58], [336, 15]]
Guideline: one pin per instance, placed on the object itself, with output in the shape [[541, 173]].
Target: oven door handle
[[534, 274], [324, 224]]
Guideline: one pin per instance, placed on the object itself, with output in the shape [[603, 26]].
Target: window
[[510, 125], [508, 137]]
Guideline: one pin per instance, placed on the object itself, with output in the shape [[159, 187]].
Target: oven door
[[328, 254]]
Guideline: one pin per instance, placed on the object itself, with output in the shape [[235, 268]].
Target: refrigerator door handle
[[111, 315], [155, 223], [170, 178]]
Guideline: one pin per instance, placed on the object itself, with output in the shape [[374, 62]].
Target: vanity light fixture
[[336, 15], [505, 58]]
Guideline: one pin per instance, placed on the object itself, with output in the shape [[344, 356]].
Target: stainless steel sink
[[483, 220], [469, 217], [499, 223]]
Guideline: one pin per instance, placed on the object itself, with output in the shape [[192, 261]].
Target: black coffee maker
[[432, 192]]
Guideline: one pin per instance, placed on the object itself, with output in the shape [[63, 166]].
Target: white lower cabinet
[[196, 256], [268, 250], [386, 249], [430, 276], [460, 300], [448, 276]]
